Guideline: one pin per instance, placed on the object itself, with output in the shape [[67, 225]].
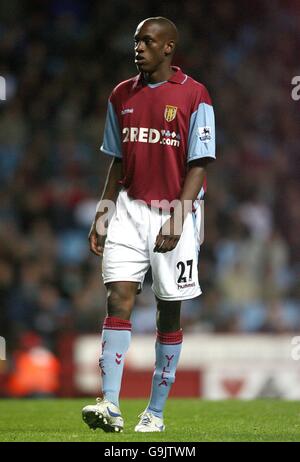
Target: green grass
[[186, 420]]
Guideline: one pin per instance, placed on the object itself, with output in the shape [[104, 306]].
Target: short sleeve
[[202, 138], [112, 137]]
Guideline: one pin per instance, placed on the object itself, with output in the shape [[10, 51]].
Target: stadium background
[[60, 60]]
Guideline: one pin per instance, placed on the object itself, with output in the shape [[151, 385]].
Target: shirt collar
[[177, 77]]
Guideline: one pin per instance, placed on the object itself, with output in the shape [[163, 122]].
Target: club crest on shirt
[[170, 113]]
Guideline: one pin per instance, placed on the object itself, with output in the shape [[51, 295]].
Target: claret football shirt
[[156, 130]]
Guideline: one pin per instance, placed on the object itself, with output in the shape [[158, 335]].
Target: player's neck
[[159, 75]]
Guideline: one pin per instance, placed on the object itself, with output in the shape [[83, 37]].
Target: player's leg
[[116, 336], [175, 278], [124, 265], [168, 315], [167, 352]]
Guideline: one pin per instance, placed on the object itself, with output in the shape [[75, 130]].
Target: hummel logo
[[127, 111], [118, 358]]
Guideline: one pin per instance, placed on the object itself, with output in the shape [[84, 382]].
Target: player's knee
[[168, 316], [119, 303]]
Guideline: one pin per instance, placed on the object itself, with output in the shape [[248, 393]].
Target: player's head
[[155, 41]]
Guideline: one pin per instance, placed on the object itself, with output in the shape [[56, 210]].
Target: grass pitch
[[187, 420]]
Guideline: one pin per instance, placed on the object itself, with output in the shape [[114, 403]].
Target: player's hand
[[168, 236], [96, 241]]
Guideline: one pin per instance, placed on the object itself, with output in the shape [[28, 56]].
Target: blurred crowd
[[61, 60]]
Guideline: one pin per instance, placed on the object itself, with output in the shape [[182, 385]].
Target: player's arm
[[201, 151], [112, 146], [111, 190], [193, 183], [169, 236]]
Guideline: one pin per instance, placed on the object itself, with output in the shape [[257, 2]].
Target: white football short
[[129, 245]]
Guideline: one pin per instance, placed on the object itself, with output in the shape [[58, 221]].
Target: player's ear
[[170, 47]]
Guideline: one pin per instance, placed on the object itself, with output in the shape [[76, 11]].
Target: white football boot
[[149, 423], [104, 415]]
